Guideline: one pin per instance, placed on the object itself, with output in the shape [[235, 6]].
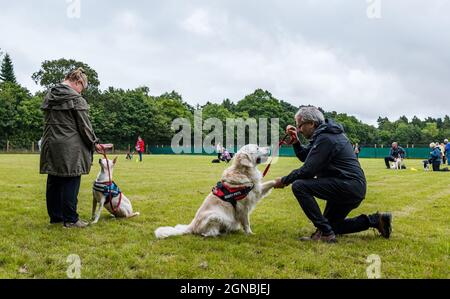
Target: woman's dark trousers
[[62, 198]]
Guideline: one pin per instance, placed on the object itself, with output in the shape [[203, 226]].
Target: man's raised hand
[[292, 132]]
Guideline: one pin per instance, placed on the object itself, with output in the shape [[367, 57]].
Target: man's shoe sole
[[386, 220]]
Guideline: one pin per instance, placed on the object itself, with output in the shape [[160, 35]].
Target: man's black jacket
[[329, 154], [395, 152]]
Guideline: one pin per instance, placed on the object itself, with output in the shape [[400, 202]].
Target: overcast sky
[[363, 57]]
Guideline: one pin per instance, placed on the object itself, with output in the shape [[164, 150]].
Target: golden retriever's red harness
[[231, 195]]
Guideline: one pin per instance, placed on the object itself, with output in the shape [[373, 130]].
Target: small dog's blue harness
[[107, 189]]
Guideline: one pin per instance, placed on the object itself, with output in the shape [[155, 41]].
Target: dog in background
[[398, 163]]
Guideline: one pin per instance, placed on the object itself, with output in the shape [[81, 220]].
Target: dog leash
[[282, 141], [103, 152]]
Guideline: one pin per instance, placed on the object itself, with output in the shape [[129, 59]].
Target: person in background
[[39, 144], [357, 150], [435, 156], [447, 151], [396, 151], [442, 148], [226, 156], [129, 155], [140, 147], [219, 151]]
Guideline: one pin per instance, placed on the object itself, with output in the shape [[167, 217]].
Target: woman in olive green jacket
[[67, 149]]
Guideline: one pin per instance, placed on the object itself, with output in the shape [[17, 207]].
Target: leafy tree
[[430, 132], [11, 97], [403, 119], [403, 133], [261, 104], [53, 72], [417, 122], [170, 106], [119, 116], [218, 111], [446, 122], [356, 131], [230, 106], [29, 119], [444, 131], [384, 124]]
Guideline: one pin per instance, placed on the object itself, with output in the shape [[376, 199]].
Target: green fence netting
[[288, 151]]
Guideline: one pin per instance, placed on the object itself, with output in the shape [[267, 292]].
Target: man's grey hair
[[310, 113]]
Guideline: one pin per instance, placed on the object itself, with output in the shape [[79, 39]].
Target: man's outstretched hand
[[279, 184]]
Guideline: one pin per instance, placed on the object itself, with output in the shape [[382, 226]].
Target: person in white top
[[219, 150]]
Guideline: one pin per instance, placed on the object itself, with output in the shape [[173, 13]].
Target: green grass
[[167, 190]]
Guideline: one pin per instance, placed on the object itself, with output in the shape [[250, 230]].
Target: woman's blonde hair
[[78, 75]]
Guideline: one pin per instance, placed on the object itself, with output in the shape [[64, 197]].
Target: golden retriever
[[217, 216]]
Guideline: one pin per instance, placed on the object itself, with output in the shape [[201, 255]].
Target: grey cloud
[[326, 53]]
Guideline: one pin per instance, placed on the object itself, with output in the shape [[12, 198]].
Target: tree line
[[119, 116]]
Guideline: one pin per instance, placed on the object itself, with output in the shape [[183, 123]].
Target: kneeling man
[[331, 172]]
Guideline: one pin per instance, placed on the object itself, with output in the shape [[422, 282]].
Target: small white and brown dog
[[107, 194], [227, 208]]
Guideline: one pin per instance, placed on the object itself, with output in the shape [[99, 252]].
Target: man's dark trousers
[[436, 165], [387, 160], [62, 198], [342, 196]]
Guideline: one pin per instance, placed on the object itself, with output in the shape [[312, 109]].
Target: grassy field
[[167, 190]]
